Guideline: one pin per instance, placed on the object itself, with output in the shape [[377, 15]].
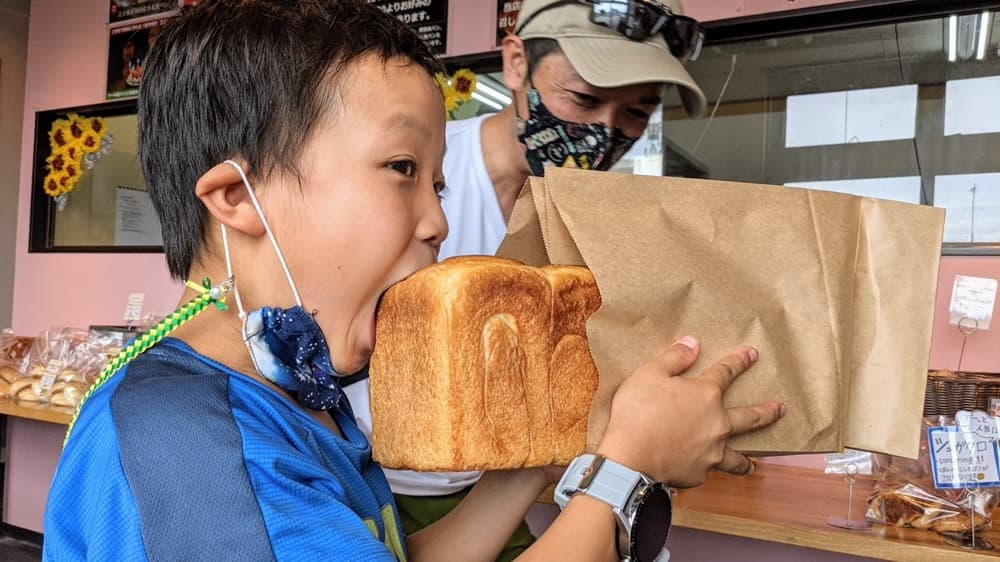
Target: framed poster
[[507, 11], [123, 10], [106, 209], [429, 18], [127, 48]]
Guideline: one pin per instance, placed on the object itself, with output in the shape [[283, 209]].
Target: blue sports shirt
[[178, 457]]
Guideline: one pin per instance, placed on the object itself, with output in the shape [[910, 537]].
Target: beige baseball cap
[[605, 58]]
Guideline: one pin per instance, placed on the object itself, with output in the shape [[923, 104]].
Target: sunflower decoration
[[457, 91], [76, 144]]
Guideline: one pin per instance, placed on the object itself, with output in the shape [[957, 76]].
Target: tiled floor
[[13, 550]]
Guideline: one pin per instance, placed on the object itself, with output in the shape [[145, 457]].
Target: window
[[108, 209], [908, 111]]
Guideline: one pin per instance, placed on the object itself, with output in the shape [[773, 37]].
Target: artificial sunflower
[[451, 102], [67, 183], [77, 142], [97, 125], [59, 137], [463, 82], [51, 185], [56, 162], [73, 153], [90, 142], [77, 126]]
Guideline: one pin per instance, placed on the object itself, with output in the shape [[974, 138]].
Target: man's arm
[[672, 428]]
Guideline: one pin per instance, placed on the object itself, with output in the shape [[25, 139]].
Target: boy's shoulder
[[169, 383]]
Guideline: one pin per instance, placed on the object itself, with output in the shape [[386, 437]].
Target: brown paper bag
[[835, 291]]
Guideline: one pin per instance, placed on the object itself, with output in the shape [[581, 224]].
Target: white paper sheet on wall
[[972, 106], [868, 115], [972, 298], [816, 119], [905, 189], [136, 223], [881, 114]]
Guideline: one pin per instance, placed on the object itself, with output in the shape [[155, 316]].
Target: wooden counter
[[36, 411], [777, 503], [790, 505]]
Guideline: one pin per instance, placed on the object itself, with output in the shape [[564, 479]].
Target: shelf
[[36, 411], [790, 505]]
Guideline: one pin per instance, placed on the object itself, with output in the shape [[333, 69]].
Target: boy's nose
[[433, 226]]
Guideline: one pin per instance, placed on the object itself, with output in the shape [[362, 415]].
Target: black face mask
[[551, 141]]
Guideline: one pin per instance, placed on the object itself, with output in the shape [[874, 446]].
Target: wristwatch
[[641, 505]]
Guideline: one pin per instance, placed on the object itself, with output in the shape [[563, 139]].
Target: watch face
[[652, 522]]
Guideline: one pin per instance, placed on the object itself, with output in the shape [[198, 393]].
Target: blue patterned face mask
[[286, 346]]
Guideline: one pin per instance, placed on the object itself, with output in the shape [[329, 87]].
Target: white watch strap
[[600, 478]]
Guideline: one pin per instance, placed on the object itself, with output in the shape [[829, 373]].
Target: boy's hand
[[675, 428]]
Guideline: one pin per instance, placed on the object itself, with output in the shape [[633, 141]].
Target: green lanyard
[[207, 295]]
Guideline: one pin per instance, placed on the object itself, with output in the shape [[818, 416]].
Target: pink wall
[[982, 349], [67, 67]]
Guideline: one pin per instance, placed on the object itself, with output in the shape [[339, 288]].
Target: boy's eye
[[406, 167], [441, 189]]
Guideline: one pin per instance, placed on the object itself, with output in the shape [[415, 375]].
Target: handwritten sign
[[973, 297], [429, 18], [133, 310], [963, 459]]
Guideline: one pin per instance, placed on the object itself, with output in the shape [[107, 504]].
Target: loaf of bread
[[482, 363]]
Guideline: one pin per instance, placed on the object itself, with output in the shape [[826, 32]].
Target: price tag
[[133, 310], [52, 370], [973, 297], [963, 458]]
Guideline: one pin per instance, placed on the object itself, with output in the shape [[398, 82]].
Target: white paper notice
[[133, 310], [962, 459], [972, 106], [135, 219], [816, 119], [881, 114], [869, 115], [973, 297], [905, 189]]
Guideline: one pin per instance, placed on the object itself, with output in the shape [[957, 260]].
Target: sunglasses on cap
[[639, 20]]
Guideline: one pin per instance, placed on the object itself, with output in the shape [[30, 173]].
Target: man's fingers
[[735, 463], [730, 367], [750, 418], [678, 357]]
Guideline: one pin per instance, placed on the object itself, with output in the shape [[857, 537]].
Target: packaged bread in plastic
[[905, 495], [12, 351]]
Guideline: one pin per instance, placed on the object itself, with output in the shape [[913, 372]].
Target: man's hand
[[675, 428]]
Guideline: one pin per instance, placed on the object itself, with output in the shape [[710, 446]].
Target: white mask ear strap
[[229, 271], [267, 228]]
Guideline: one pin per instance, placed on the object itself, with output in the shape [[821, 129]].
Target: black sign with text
[[507, 11], [429, 18]]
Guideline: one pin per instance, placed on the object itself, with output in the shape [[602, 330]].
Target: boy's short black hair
[[246, 79]]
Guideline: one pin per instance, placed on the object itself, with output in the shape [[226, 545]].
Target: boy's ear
[[222, 192], [515, 63]]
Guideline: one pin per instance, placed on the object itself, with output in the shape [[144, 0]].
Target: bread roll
[[28, 389], [8, 374], [481, 364]]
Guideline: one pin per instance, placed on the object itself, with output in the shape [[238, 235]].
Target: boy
[[295, 147]]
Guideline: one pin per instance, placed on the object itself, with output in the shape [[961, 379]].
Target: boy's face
[[367, 214]]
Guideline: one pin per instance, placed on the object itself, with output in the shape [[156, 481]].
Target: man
[[583, 92]]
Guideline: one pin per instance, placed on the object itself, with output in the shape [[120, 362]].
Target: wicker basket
[[949, 392]]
